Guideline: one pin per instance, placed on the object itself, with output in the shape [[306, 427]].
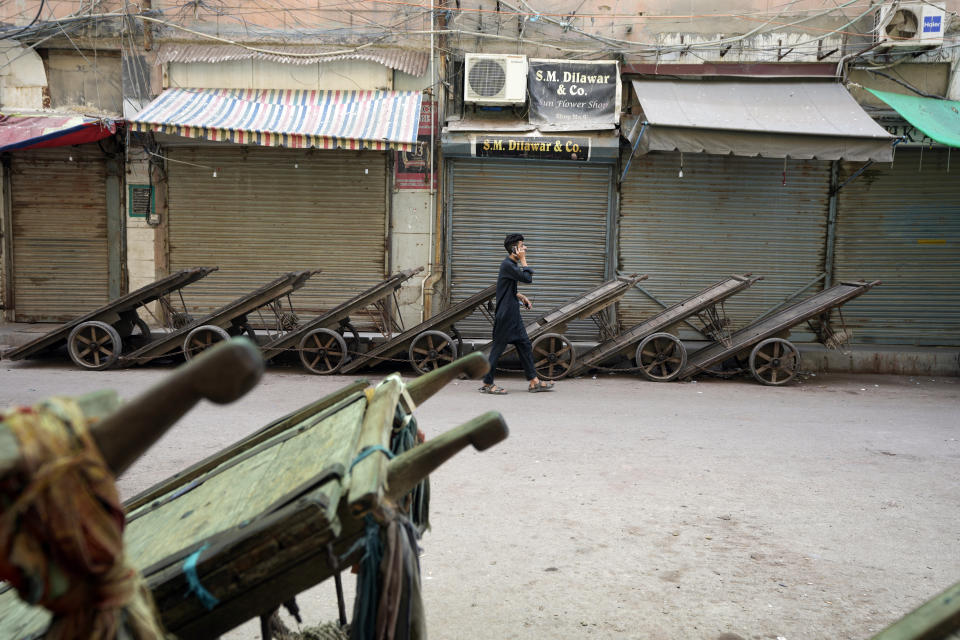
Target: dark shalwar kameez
[[507, 324]]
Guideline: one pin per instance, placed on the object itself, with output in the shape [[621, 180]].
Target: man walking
[[507, 325]]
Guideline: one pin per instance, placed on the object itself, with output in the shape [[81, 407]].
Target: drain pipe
[[431, 277]]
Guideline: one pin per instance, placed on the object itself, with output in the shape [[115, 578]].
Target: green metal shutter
[[727, 214], [60, 252], [901, 225], [562, 210], [270, 211]]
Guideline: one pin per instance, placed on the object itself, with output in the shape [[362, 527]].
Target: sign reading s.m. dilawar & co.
[[585, 94], [532, 147]]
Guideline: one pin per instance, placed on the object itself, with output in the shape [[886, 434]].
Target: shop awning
[[38, 131], [938, 119], [376, 120], [773, 119]]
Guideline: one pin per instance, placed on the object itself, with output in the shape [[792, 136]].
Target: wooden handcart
[[660, 356], [234, 536], [432, 343], [229, 320], [97, 339], [553, 353], [321, 342], [762, 345]]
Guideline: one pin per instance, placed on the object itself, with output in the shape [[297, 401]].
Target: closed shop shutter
[[271, 211], [60, 253], [901, 225], [561, 209], [727, 214]]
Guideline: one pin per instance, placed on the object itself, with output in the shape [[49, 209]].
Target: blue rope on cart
[[207, 599], [369, 450]]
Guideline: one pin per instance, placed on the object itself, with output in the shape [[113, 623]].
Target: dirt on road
[[620, 508]]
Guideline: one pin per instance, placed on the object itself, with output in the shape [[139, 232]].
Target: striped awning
[[299, 119]]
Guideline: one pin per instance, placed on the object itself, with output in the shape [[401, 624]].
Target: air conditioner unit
[[495, 78], [911, 24]]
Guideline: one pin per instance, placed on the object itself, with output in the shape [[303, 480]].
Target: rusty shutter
[[563, 210], [727, 214], [270, 211], [901, 224], [59, 215]]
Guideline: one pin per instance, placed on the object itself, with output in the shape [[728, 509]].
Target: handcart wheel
[[553, 356], [661, 357], [94, 345], [202, 338], [774, 361], [142, 335], [323, 351], [455, 334], [431, 350], [351, 336]]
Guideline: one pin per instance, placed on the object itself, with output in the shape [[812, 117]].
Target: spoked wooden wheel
[[661, 357], [141, 331], [431, 350], [202, 338], [352, 337], [774, 361], [553, 356], [94, 345], [323, 351]]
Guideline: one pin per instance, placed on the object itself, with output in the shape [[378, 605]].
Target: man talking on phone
[[507, 325]]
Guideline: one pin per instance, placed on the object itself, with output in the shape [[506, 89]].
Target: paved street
[[620, 508]]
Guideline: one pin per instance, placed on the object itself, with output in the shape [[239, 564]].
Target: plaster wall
[[263, 74]]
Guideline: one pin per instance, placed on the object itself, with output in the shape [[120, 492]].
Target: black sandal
[[493, 390], [541, 386]]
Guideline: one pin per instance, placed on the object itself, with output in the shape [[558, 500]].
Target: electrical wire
[[32, 22]]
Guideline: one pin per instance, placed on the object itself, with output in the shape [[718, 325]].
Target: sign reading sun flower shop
[[574, 94]]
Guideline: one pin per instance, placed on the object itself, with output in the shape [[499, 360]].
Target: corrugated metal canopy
[[939, 119], [773, 119], [377, 120], [408, 61]]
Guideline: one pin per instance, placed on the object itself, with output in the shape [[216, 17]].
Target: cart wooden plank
[[222, 317], [280, 497], [671, 315], [442, 320], [111, 311], [775, 323], [331, 319], [583, 306]]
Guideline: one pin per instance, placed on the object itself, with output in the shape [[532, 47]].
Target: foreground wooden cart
[[229, 320], [432, 343], [320, 342], [660, 356], [553, 353], [97, 339], [236, 535], [771, 358]]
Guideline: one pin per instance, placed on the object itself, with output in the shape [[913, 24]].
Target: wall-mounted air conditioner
[[911, 24], [494, 78]]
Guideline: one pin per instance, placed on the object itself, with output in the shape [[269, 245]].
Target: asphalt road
[[620, 508]]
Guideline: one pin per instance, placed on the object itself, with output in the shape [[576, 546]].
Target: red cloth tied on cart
[[61, 530]]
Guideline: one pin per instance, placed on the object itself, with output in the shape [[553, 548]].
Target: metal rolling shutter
[[563, 211], [262, 216], [901, 225], [60, 253], [726, 215]]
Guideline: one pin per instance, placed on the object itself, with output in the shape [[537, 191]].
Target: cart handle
[[221, 374], [406, 470]]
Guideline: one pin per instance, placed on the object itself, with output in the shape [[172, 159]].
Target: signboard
[[578, 95], [412, 168], [532, 147]]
